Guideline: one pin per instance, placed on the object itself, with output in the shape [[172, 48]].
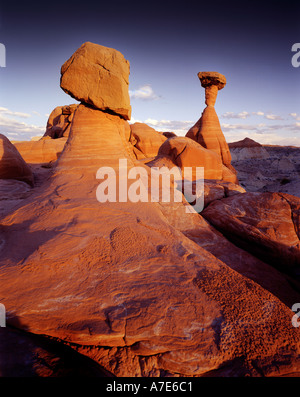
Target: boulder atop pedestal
[[208, 79], [98, 76]]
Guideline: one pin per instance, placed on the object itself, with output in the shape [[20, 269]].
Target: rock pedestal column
[[207, 131]]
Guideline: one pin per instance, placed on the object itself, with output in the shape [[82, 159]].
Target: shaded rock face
[[143, 289], [12, 165], [98, 76], [59, 121]]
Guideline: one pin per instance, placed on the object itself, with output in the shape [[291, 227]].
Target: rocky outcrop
[[12, 164], [59, 121], [266, 224], [185, 152], [145, 140], [98, 76], [42, 151]]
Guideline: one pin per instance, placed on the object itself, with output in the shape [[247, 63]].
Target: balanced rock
[[212, 82], [12, 164], [207, 131], [146, 140], [59, 121], [98, 76]]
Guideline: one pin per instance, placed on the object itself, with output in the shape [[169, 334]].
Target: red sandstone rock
[[143, 288], [146, 139], [207, 131], [42, 151], [266, 224], [98, 76], [12, 164]]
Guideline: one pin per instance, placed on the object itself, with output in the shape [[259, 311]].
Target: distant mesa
[[185, 152], [98, 76], [247, 149], [246, 142]]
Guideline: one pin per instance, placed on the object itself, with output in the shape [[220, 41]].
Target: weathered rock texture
[[98, 76], [12, 164], [185, 152], [59, 121], [266, 224]]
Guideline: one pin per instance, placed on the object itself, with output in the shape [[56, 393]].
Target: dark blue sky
[[167, 44]]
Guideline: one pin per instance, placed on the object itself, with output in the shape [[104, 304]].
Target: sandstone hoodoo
[[143, 288], [207, 131], [98, 76]]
